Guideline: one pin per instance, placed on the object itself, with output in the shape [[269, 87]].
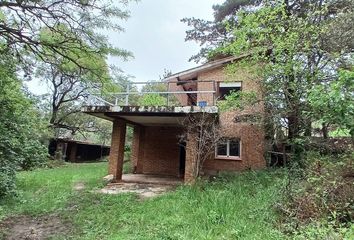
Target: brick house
[[156, 147]]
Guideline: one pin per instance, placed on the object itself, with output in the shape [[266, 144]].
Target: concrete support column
[[116, 155], [137, 154], [191, 151]]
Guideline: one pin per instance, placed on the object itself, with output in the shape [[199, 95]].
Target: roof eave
[[204, 67]]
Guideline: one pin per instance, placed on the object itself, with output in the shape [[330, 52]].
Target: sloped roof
[[193, 72]]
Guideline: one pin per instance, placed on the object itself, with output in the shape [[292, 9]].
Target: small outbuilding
[[77, 151]]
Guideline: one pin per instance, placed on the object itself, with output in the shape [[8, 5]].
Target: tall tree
[[21, 24], [213, 34], [69, 84], [21, 127], [289, 39]]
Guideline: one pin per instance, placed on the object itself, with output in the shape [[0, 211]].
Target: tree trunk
[[325, 131]]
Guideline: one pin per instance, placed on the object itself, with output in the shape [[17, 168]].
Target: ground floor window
[[228, 148]]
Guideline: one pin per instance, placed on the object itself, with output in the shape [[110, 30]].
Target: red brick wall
[[252, 149], [191, 146], [251, 136], [156, 149], [182, 98], [137, 149], [161, 150], [116, 155]]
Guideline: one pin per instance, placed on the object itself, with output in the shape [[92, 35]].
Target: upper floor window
[[225, 88], [229, 148]]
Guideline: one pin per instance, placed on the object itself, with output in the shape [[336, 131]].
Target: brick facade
[[161, 151], [181, 98], [116, 155], [156, 149], [251, 136], [191, 146], [137, 149]]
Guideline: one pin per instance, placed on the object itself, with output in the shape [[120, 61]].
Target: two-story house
[[156, 147]]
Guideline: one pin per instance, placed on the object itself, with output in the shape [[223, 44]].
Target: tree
[[153, 99], [157, 99], [21, 128], [61, 40], [288, 40], [22, 24], [204, 131], [214, 34], [70, 85], [333, 104]]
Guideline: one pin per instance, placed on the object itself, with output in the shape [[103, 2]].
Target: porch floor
[[151, 179]]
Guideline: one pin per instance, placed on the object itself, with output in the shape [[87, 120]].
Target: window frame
[[219, 85], [228, 157]]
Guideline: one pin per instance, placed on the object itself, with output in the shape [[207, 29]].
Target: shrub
[[324, 194], [20, 130]]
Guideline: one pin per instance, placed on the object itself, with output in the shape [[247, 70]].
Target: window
[[225, 88], [228, 148]]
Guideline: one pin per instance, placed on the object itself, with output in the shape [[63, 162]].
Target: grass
[[235, 206]]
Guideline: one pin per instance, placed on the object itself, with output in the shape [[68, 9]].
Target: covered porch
[[157, 154]]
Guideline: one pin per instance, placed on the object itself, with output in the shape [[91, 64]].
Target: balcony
[[155, 103]]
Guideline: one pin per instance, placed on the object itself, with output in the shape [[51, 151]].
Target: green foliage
[[92, 129], [325, 230], [72, 79], [152, 100], [73, 25], [230, 7], [339, 133], [2, 16], [211, 35], [238, 101], [320, 204], [85, 63], [20, 129], [334, 103], [288, 42]]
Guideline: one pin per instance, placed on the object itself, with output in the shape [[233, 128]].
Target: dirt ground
[[142, 190], [32, 228]]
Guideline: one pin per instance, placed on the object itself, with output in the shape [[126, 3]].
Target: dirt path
[[32, 228]]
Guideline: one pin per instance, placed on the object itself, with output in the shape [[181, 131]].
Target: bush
[[7, 178], [34, 155], [20, 130], [324, 194], [323, 230]]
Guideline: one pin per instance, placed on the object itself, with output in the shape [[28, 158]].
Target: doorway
[[182, 158]]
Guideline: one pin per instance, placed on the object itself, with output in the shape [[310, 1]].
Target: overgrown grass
[[47, 190], [235, 206]]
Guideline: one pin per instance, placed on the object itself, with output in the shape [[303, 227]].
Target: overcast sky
[[155, 35]]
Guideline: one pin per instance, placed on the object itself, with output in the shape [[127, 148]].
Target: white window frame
[[228, 85], [228, 150]]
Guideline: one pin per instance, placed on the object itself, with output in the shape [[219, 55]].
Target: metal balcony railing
[[162, 93]]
